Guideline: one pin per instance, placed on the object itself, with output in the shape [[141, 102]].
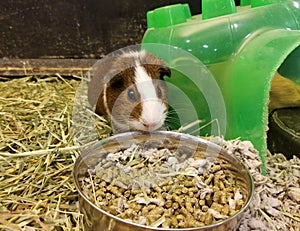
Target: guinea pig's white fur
[[133, 94]]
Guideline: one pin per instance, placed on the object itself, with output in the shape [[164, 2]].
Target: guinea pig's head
[[135, 97]]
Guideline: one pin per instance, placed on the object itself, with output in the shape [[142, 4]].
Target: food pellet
[[161, 187]]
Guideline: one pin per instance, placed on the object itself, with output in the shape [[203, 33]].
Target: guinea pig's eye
[[159, 93], [131, 95]]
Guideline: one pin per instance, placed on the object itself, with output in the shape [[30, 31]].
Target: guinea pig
[[130, 91], [284, 93]]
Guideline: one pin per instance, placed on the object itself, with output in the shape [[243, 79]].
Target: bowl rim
[[196, 139]]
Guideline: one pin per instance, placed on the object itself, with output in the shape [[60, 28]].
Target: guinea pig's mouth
[[146, 126], [152, 116], [151, 126]]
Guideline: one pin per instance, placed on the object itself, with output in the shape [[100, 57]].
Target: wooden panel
[[45, 36], [73, 28], [64, 67]]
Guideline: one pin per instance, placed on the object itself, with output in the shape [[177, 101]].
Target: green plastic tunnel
[[242, 47]]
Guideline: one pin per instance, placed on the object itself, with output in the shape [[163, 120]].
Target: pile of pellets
[[276, 201], [158, 188]]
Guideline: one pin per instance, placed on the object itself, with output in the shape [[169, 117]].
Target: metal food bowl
[[96, 219]]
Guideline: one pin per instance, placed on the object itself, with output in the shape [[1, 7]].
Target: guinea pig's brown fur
[[284, 93], [122, 100]]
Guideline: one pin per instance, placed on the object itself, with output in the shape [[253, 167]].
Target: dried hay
[[38, 150]]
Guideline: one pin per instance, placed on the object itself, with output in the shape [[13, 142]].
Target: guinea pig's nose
[[150, 125]]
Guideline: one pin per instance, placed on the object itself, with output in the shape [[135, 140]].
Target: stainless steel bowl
[[96, 219]]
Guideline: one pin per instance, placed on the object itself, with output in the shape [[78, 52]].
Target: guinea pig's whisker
[[167, 124], [180, 104], [170, 115], [183, 111]]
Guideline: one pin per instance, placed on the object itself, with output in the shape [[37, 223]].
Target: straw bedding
[[38, 150]]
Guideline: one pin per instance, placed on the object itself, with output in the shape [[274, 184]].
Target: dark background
[[83, 29]]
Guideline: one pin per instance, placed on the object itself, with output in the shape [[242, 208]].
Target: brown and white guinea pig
[[129, 89]]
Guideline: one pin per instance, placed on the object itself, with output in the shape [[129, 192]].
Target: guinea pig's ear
[[164, 71], [117, 82]]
